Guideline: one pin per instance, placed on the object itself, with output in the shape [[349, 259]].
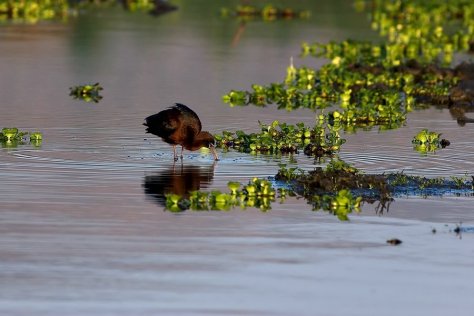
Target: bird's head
[[205, 139]]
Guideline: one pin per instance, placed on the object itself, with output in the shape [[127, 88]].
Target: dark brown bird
[[179, 125]]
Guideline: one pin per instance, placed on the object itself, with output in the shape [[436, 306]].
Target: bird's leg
[[182, 148], [174, 153], [214, 153]]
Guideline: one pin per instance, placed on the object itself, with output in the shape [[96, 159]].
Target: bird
[[179, 125]]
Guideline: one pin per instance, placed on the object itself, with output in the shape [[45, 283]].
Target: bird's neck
[[199, 141]]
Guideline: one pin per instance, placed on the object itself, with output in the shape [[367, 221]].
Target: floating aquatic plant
[[31, 11], [11, 137], [379, 83], [88, 92], [139, 5], [364, 100], [10, 133], [36, 136], [429, 30], [428, 141], [336, 176], [278, 138], [288, 174], [338, 188], [402, 184]]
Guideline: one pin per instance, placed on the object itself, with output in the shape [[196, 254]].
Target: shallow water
[[83, 230]]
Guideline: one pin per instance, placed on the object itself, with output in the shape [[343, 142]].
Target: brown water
[[82, 226]]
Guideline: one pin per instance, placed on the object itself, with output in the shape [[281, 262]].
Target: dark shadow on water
[[178, 179]]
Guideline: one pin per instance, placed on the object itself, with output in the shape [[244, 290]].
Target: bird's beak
[[214, 153]]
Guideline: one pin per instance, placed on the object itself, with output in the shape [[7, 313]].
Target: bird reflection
[[178, 180]]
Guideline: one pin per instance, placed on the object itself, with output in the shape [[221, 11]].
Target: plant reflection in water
[[178, 179]]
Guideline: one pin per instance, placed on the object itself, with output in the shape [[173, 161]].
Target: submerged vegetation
[[88, 92]]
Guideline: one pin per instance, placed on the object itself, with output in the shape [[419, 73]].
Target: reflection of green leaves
[[341, 204], [258, 193], [234, 187], [88, 92], [339, 189]]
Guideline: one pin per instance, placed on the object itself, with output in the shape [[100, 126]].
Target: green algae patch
[[88, 92]]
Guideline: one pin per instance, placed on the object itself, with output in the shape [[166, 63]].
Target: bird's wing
[[163, 124], [190, 117]]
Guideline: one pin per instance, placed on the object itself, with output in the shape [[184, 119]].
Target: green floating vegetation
[[36, 136], [338, 188], [139, 5], [316, 185], [428, 31], [379, 83], [11, 133], [364, 100], [11, 137], [321, 185], [402, 184], [31, 11], [258, 193], [428, 141], [268, 13], [154, 7], [88, 92], [280, 138]]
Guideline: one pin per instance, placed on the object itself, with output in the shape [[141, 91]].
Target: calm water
[[82, 226]]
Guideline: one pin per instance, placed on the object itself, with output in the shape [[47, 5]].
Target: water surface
[[82, 225]]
